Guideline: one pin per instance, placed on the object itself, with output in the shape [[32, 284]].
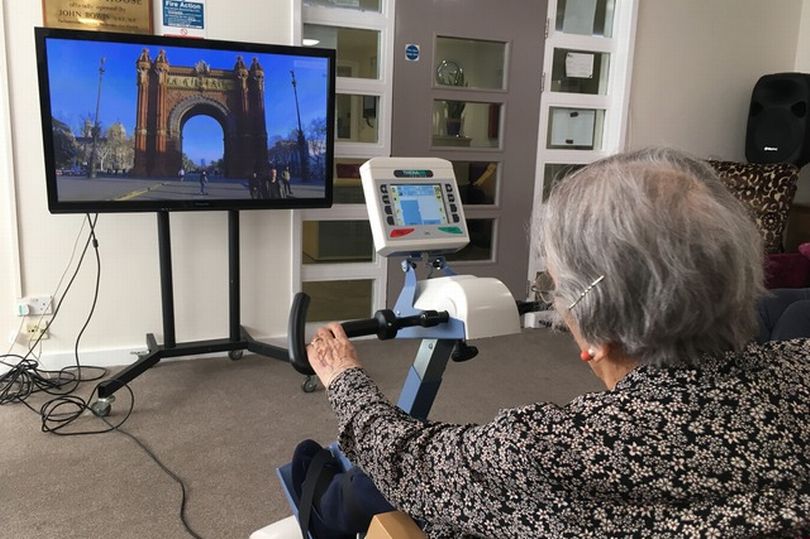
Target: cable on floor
[[25, 378]]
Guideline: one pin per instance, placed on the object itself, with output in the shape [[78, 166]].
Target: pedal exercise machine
[[415, 211]]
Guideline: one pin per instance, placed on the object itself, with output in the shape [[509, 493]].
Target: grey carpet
[[224, 427]]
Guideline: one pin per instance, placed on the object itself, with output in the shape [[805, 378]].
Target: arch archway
[[169, 95], [193, 107], [202, 143]]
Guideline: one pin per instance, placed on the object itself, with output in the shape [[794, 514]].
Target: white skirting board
[[118, 357]]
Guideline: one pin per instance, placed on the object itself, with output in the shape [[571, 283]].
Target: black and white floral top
[[717, 451]]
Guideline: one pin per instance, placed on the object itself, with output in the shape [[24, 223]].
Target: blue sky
[[73, 73]]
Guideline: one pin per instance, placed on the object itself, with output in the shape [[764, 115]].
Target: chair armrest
[[394, 525]]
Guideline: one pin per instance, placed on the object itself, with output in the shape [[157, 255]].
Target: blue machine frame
[[425, 375]]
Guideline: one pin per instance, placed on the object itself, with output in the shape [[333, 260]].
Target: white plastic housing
[[484, 304], [382, 176]]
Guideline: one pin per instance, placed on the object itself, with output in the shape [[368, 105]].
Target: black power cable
[[163, 467], [26, 378]]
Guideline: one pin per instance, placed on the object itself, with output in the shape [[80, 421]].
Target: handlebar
[[531, 306], [296, 334], [385, 325]]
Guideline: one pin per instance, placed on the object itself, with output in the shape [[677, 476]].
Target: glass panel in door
[[347, 186], [585, 17], [469, 63], [477, 181], [356, 118], [359, 5], [575, 128], [482, 232], [465, 124], [338, 300], [553, 174], [580, 72], [330, 242], [357, 49]]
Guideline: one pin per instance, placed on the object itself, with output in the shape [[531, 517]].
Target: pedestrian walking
[[204, 182]]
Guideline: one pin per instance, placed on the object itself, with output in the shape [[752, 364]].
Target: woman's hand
[[330, 353]]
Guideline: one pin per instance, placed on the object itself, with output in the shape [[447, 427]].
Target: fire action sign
[[184, 18]]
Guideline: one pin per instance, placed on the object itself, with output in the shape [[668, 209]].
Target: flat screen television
[[147, 123]]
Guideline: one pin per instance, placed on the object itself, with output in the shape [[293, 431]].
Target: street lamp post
[[303, 151], [96, 127]]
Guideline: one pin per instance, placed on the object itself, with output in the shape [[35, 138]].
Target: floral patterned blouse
[[717, 451]]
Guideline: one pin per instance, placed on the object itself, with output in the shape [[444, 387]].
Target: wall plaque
[[128, 16]]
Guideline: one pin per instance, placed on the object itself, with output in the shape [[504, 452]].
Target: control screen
[[418, 204]]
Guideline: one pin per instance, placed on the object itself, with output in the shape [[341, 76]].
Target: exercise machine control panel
[[413, 206]]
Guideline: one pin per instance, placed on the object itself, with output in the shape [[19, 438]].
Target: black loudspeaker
[[778, 128]]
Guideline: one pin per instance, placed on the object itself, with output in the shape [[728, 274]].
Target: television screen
[[145, 123]]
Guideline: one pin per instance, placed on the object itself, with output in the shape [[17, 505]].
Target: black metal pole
[[166, 283], [234, 300], [96, 126], [303, 151]]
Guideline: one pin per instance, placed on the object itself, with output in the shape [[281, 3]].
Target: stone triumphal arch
[[168, 96]]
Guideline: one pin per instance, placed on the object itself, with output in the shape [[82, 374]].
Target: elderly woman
[[656, 271]]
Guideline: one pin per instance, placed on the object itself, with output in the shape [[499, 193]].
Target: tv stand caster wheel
[[235, 354], [102, 407], [310, 384]]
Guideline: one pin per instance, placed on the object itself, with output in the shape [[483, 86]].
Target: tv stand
[[238, 341]]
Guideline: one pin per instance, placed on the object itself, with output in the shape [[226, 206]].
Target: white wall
[[9, 267], [696, 62], [803, 66], [129, 303]]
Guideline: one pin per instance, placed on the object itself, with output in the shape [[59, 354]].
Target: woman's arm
[[467, 475]]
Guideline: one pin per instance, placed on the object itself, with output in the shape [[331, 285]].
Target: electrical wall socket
[[34, 328], [34, 305]]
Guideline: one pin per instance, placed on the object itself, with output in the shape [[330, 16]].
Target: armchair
[[767, 191]]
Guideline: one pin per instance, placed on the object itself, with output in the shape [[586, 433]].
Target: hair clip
[[585, 292]]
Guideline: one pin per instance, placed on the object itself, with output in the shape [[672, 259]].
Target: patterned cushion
[[766, 190]]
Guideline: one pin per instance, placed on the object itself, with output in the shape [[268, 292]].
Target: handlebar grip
[[385, 325], [531, 306], [358, 328], [296, 334]]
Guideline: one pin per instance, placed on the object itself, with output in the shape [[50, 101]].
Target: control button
[[390, 220], [451, 229], [451, 198], [456, 218], [448, 187], [453, 208], [385, 199], [383, 188], [399, 232], [388, 210]]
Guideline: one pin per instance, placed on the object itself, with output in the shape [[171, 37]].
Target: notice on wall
[[183, 18], [128, 16], [579, 65]]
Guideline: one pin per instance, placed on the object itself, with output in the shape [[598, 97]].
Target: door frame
[[616, 102], [382, 88]]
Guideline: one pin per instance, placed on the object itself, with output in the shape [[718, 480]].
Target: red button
[[399, 232]]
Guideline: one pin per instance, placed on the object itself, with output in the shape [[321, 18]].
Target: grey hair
[[682, 260]]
